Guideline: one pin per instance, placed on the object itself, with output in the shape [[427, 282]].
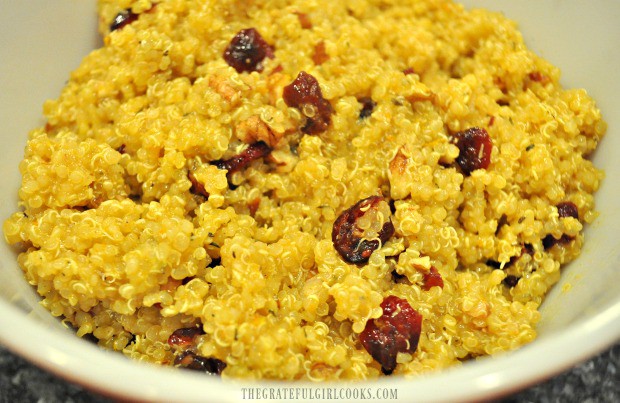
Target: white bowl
[[42, 41]]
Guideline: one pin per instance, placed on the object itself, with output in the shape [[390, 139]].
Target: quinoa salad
[[310, 190]]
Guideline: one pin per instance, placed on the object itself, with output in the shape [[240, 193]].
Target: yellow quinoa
[[131, 230]]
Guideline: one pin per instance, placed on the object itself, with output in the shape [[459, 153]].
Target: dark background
[[597, 380]]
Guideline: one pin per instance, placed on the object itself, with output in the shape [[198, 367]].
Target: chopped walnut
[[398, 175], [276, 81], [225, 88], [254, 129]]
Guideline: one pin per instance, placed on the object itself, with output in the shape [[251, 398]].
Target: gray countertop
[[597, 380]]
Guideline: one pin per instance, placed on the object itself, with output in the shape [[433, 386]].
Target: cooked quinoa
[[306, 189]]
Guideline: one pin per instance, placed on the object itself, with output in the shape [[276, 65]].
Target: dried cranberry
[[432, 279], [535, 76], [197, 188], [190, 360], [539, 77], [396, 331], [494, 264], [526, 248], [397, 276], [549, 241], [253, 152], [304, 93], [567, 209], [247, 50], [123, 18], [511, 281], [475, 149], [320, 55], [347, 236], [253, 206], [368, 105], [304, 20], [184, 336], [277, 69], [408, 70], [216, 261]]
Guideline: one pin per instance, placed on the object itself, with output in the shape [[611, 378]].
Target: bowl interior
[[43, 41]]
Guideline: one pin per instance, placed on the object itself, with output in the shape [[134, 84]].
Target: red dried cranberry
[[184, 336], [567, 209], [368, 105], [550, 241], [197, 188], [475, 149], [247, 50], [277, 69], [304, 93], [320, 55], [526, 248], [347, 236], [190, 360], [539, 77], [216, 261], [397, 276], [396, 331], [535, 76], [253, 152], [304, 20], [253, 206], [432, 279], [123, 18], [511, 281], [494, 264]]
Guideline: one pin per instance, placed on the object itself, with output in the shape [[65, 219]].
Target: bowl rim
[[113, 375]]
